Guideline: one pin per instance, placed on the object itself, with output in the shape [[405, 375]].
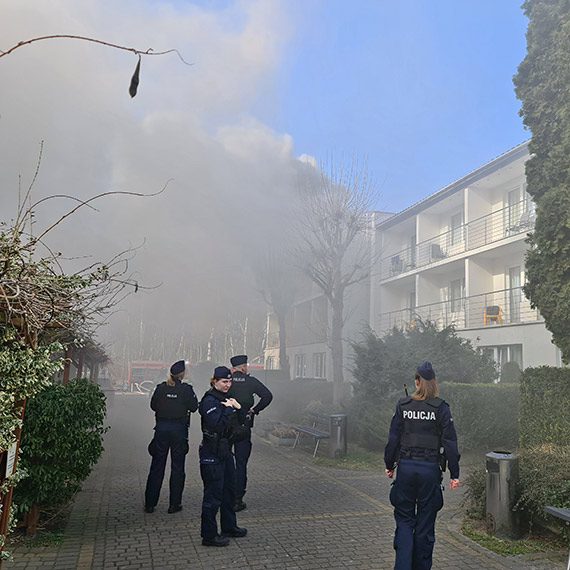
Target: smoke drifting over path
[[232, 178]]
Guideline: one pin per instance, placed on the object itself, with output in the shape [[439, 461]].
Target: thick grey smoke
[[232, 179]]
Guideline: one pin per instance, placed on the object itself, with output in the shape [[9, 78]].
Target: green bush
[[544, 481], [510, 372], [62, 438], [476, 492], [544, 405], [485, 415], [383, 365], [369, 422]]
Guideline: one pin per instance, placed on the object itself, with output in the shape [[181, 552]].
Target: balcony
[[504, 223], [496, 308]]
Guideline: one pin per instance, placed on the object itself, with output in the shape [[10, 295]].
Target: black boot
[[216, 541]]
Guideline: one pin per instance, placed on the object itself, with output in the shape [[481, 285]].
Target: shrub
[[510, 372], [544, 481], [369, 421], [544, 405], [62, 438], [475, 494], [283, 431], [485, 415], [382, 365]]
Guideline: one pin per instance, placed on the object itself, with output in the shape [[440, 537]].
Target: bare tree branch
[[139, 52]]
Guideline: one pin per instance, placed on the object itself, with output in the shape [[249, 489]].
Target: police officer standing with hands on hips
[[422, 437], [172, 402], [243, 389], [220, 428]]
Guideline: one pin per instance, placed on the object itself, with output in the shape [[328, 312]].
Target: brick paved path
[[299, 516]]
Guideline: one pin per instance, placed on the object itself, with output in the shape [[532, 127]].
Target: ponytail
[[171, 377]]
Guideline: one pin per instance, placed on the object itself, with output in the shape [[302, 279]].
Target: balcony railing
[[505, 307], [506, 222]]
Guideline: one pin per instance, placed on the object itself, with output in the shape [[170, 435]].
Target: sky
[[419, 91]]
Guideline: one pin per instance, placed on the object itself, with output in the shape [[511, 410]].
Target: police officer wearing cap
[[220, 427], [172, 402], [244, 387], [422, 437]]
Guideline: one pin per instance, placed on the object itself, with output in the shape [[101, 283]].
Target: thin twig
[[149, 51]]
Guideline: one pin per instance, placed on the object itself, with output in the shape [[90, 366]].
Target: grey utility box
[[502, 468], [337, 439]]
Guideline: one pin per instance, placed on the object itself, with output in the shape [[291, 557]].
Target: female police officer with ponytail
[[220, 429], [421, 433], [172, 402]]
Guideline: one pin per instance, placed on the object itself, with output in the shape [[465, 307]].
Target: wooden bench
[[560, 513], [319, 429]]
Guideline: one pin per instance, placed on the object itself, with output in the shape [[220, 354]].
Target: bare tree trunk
[[283, 358], [336, 346]]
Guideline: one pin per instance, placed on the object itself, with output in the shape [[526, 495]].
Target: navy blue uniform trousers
[[168, 437], [219, 494], [417, 497], [242, 451]]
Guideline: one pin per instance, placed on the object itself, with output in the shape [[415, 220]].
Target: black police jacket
[[243, 389], [419, 426], [219, 425], [174, 403]]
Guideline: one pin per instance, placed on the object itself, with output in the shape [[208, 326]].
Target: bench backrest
[[315, 419]]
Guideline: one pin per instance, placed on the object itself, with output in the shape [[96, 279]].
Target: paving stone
[[299, 516]]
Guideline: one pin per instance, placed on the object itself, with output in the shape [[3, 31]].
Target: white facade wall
[[466, 264]]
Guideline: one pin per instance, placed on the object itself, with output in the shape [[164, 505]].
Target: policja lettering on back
[[418, 415]]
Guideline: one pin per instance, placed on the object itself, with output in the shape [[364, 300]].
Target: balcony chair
[[396, 265], [493, 315]]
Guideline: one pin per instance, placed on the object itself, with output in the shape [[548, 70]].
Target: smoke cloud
[[229, 179]]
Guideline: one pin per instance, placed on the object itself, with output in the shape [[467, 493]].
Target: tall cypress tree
[[543, 86]]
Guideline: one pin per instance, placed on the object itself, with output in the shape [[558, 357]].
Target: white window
[[456, 235], [319, 365], [270, 363], [300, 365], [506, 353], [456, 295]]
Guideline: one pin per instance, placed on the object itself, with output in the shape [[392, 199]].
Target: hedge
[[544, 405], [485, 415]]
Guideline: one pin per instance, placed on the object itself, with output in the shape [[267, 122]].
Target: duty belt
[[418, 455]]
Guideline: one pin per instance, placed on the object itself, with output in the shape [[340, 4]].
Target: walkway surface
[[299, 516]]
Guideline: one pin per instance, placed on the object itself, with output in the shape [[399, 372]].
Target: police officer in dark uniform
[[422, 438], [243, 389], [220, 427], [172, 402]]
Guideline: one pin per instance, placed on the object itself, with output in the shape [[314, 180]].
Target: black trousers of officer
[[417, 497], [242, 450], [219, 494], [168, 437]]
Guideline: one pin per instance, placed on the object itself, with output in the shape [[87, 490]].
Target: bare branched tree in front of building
[[275, 274], [334, 250]]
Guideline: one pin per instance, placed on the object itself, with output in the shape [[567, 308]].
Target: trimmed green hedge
[[62, 438], [544, 405], [485, 415]]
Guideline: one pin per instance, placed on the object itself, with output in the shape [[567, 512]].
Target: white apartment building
[[457, 257], [307, 330]]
